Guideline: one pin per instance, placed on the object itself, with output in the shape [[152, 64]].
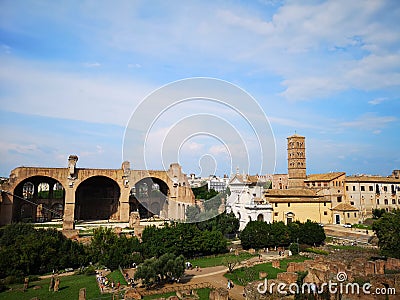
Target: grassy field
[[69, 289], [116, 276], [203, 295], [242, 276], [212, 261]]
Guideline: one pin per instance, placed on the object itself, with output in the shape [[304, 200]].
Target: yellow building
[[345, 213], [298, 205]]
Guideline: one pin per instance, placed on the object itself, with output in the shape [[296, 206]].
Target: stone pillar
[[380, 267], [69, 209], [124, 204], [6, 211], [369, 268], [82, 294]]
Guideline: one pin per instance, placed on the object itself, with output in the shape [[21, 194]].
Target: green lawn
[[116, 276], [69, 289], [212, 261], [204, 294], [242, 276], [362, 226]]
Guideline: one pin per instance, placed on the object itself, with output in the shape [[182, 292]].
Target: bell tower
[[296, 161]]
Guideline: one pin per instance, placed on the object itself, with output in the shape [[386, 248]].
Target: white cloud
[[36, 88], [377, 101], [370, 122], [218, 150], [92, 64]]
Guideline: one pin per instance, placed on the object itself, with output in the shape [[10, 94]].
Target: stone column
[[69, 209], [82, 294], [124, 204]]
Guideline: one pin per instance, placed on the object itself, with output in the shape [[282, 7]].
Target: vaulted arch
[[149, 197], [96, 198], [34, 198]]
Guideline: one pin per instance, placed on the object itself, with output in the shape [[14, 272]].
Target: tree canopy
[[182, 238], [166, 267], [387, 229], [111, 250], [259, 234], [25, 250]]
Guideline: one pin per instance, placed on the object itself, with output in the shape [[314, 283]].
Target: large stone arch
[[149, 196], [35, 196], [97, 198]]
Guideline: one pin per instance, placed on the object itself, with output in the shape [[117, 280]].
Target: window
[[393, 201], [347, 187], [355, 215], [324, 203], [276, 214], [385, 188], [352, 202], [325, 213], [377, 201], [276, 204], [354, 187], [348, 215], [386, 202], [371, 188], [339, 199], [362, 188], [288, 205]]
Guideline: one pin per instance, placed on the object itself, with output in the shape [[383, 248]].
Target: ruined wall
[[180, 194]]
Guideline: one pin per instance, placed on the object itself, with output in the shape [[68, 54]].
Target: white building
[[217, 183], [246, 200]]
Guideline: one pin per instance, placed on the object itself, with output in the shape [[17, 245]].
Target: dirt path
[[215, 276], [59, 275]]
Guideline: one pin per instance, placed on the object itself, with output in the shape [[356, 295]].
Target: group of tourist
[[129, 280], [104, 282]]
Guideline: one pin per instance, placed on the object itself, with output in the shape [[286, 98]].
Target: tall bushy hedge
[[259, 234], [25, 250]]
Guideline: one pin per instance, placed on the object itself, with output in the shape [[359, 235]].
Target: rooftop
[[345, 207], [325, 176]]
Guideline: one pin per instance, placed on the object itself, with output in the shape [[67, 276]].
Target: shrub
[[316, 251], [91, 270], [294, 248]]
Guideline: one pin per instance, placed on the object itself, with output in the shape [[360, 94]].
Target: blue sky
[[73, 72]]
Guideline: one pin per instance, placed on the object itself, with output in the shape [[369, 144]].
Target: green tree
[[311, 233], [111, 250], [231, 262], [166, 267], [147, 272], [294, 248], [259, 234], [377, 213], [255, 235], [25, 250], [225, 223], [387, 229]]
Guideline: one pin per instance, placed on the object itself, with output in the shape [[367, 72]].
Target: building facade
[[246, 200], [72, 193], [372, 192]]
